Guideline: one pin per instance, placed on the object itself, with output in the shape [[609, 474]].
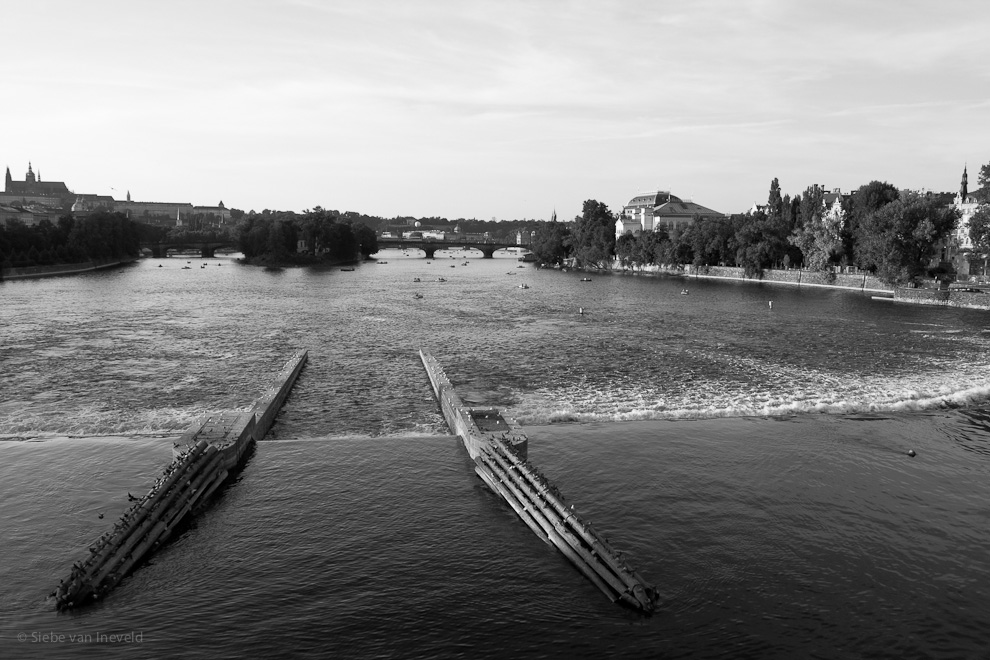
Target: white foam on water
[[91, 421], [563, 405]]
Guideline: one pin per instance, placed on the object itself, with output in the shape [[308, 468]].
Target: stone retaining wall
[[943, 297], [30, 272], [859, 282]]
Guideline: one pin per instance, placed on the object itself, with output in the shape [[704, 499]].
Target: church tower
[[964, 186], [6, 184], [29, 177]]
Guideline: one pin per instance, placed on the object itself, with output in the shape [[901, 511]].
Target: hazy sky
[[481, 109]]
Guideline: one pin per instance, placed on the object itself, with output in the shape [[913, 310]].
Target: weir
[[203, 458], [499, 448]]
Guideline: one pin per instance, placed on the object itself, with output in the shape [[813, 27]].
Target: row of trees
[[99, 236], [275, 236], [892, 233]]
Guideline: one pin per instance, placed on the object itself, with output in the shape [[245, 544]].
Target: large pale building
[[659, 209]]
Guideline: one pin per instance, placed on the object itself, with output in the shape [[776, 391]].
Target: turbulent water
[[751, 460]]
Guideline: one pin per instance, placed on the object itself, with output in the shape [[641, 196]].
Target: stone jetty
[[499, 449], [204, 456]]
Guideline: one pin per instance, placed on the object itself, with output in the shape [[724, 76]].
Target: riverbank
[[966, 297], [35, 272], [791, 277]]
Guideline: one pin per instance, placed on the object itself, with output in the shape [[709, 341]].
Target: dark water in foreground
[[357, 529]]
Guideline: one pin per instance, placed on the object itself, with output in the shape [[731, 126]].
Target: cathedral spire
[[7, 181], [964, 186], [29, 177]]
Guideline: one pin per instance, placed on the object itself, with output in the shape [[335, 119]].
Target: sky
[[504, 109]]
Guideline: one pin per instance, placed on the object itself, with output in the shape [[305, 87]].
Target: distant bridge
[[487, 247], [207, 249]]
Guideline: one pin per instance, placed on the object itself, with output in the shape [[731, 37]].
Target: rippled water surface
[[751, 461]]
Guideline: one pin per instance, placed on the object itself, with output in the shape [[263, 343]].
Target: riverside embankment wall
[[848, 281], [31, 272], [944, 297]]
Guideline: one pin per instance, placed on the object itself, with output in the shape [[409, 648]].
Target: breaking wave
[[540, 408]]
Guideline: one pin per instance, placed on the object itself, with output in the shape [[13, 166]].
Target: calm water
[[750, 461]]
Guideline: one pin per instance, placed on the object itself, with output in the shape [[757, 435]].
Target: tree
[[367, 240], [979, 232], [865, 200], [983, 194], [820, 239], [775, 204], [625, 250], [653, 247], [760, 242], [551, 243], [897, 242], [713, 241], [812, 205], [594, 235]]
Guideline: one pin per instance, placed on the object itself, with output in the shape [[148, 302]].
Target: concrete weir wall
[[204, 456], [498, 448]]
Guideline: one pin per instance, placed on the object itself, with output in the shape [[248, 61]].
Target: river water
[[751, 460]]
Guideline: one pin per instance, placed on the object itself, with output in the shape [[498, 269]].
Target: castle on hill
[[33, 200]]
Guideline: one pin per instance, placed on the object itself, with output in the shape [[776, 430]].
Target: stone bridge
[[207, 249], [488, 247]]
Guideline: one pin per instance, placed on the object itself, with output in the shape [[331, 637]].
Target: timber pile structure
[[498, 448], [204, 456]]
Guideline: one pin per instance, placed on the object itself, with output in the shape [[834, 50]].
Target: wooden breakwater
[[499, 448], [204, 456]]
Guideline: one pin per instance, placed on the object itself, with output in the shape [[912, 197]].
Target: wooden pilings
[[498, 448], [204, 457]]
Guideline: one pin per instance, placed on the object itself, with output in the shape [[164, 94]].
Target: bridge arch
[[488, 248], [207, 250]]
